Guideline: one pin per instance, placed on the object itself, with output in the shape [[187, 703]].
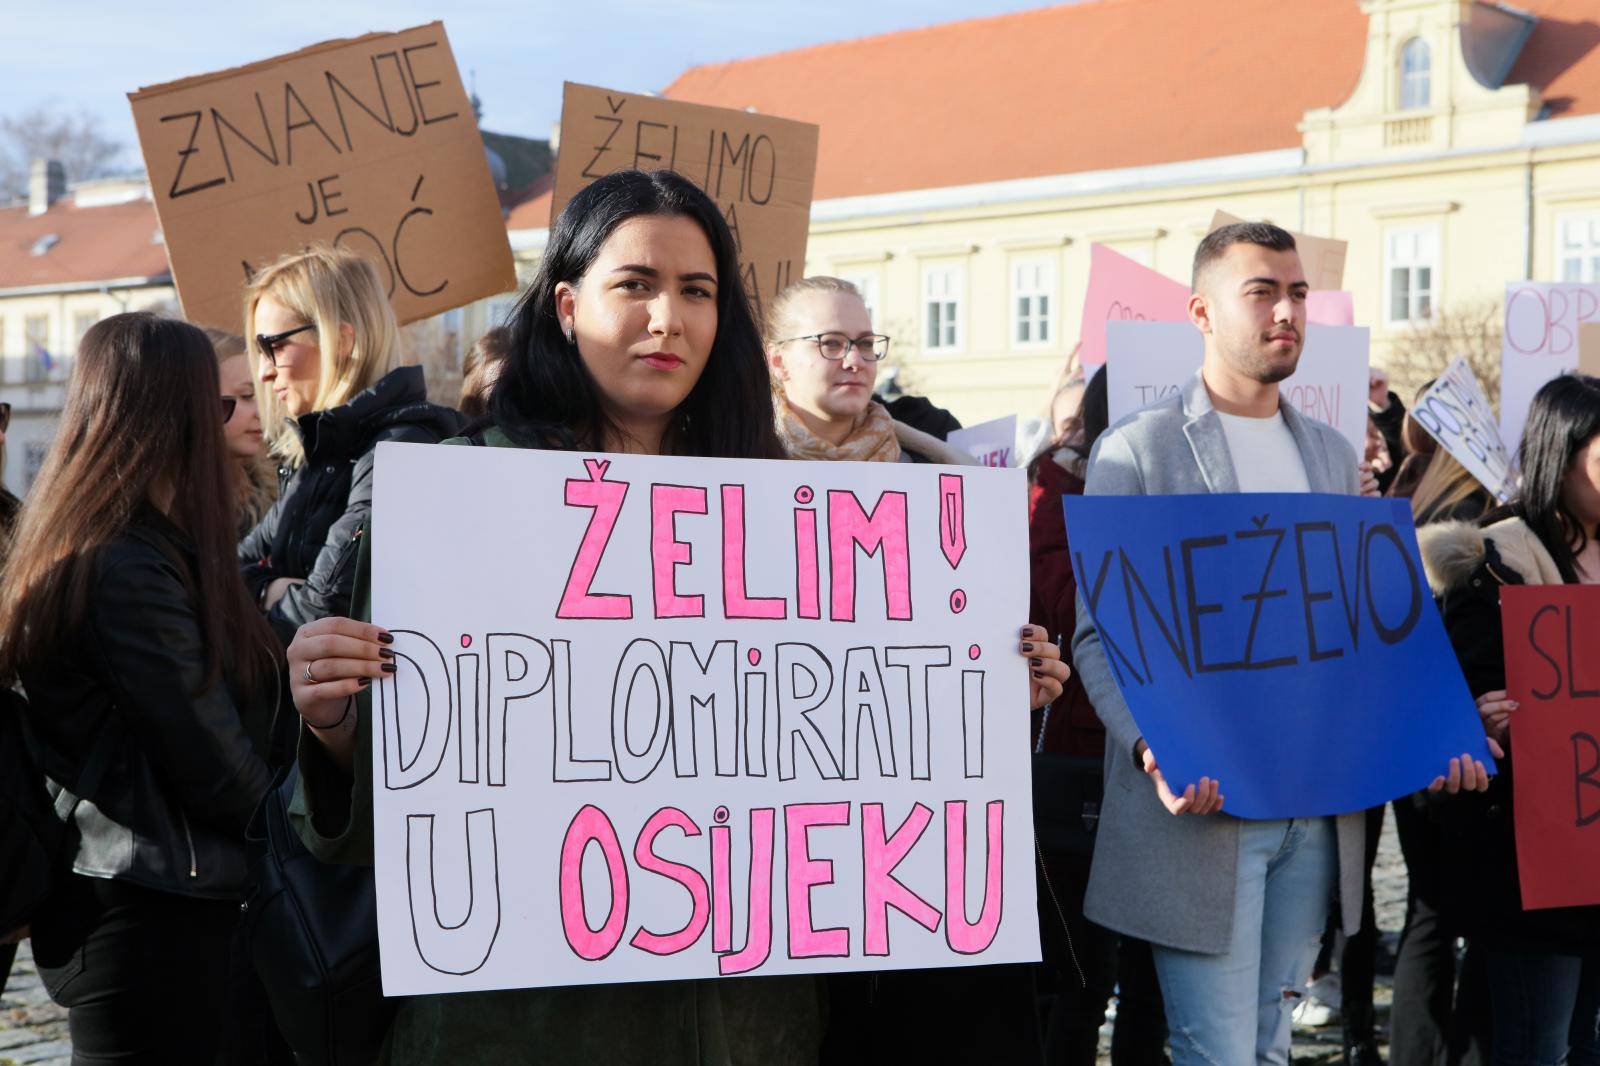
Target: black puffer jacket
[[190, 763], [1467, 567], [314, 529]]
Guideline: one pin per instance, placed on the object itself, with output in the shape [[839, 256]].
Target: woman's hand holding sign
[[1046, 672], [330, 660], [1206, 798]]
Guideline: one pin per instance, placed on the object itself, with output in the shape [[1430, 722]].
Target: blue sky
[[88, 54]]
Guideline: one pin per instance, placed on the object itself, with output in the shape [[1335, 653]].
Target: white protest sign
[[1456, 413], [992, 443], [1539, 341], [1149, 361], [668, 718]]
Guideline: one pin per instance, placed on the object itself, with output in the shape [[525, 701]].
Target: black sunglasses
[[5, 417], [229, 405], [268, 342]]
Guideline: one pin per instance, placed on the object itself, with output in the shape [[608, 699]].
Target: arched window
[[1416, 74]]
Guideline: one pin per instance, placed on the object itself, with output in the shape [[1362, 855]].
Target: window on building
[[941, 301], [1578, 248], [1033, 286], [33, 456], [1416, 74], [36, 353], [867, 286], [1411, 260], [81, 323]]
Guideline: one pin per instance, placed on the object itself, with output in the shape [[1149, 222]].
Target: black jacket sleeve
[[256, 546], [328, 586], [151, 656]]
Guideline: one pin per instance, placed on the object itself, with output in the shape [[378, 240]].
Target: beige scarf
[[871, 440]]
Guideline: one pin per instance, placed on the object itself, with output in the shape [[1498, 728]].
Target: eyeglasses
[[870, 346], [230, 404], [5, 417], [268, 342]]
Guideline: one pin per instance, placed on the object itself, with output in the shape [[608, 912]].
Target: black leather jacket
[[188, 769], [314, 530]]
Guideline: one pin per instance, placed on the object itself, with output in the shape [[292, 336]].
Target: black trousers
[[1440, 1017], [150, 978]]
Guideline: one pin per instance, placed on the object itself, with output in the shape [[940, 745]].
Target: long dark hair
[[1564, 417], [545, 396], [143, 412]]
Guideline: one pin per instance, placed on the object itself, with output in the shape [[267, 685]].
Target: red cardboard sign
[[1553, 672]]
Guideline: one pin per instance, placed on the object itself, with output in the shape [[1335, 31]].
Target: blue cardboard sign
[[1285, 645]]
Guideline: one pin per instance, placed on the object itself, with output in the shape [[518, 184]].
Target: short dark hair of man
[[1220, 240]]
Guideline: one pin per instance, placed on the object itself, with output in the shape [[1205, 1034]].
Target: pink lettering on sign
[[687, 876], [591, 826], [880, 856], [883, 532], [806, 942], [962, 936], [667, 552], [758, 941], [807, 576], [605, 498], [736, 598]]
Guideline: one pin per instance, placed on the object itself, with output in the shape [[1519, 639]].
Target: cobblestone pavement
[[33, 1031]]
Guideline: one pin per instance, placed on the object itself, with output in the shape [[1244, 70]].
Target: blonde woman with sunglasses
[[327, 361]]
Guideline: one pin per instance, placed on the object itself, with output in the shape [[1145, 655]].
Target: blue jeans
[[1234, 1008], [1546, 1008]]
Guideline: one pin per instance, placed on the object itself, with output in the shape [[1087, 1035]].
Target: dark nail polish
[[1027, 646], [386, 653], [390, 668], [386, 638], [365, 681], [1035, 662]]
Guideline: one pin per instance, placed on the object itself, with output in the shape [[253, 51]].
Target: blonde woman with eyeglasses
[[824, 360], [331, 387]]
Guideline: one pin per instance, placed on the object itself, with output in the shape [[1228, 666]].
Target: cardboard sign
[[1153, 360], [1124, 290], [1322, 257], [1589, 348], [1456, 413], [678, 718], [759, 169], [368, 144], [992, 443], [1539, 340], [1551, 632], [1284, 645]]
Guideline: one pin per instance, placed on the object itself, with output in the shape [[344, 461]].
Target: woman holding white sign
[[635, 336]]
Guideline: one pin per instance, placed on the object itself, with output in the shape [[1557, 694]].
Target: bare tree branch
[[1470, 329], [48, 132]]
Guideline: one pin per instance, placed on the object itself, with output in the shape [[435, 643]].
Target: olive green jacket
[[728, 1022]]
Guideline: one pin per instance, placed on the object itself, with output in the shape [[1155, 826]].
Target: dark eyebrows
[[1273, 282], [652, 272]]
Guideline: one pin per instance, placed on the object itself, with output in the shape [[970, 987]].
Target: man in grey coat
[[1234, 909]]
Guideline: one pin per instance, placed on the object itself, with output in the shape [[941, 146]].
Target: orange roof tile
[[1091, 86], [93, 244]]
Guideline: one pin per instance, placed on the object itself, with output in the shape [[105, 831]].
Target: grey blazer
[[1171, 880]]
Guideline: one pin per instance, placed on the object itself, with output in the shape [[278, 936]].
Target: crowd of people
[[186, 632]]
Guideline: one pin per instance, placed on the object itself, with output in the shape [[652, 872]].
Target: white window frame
[[1415, 84], [867, 285], [1413, 249], [944, 287], [1033, 278], [1577, 244]]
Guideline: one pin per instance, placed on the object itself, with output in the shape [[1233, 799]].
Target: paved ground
[[33, 1031]]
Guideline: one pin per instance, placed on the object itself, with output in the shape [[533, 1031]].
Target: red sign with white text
[[1552, 633]]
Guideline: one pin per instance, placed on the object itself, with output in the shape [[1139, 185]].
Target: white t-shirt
[[1265, 455]]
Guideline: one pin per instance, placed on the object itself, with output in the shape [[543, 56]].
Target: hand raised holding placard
[[1205, 799], [1047, 674]]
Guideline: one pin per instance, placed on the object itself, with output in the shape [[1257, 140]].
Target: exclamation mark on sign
[[952, 519]]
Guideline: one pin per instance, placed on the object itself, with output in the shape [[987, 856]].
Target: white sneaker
[[1320, 1005]]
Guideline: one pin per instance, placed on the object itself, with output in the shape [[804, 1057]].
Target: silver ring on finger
[[306, 674]]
